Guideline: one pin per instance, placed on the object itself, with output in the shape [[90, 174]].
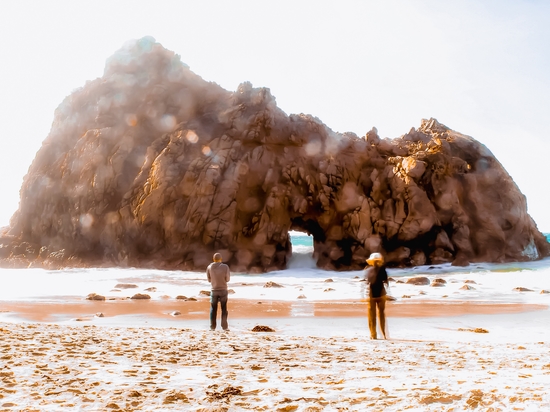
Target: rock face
[[152, 166]]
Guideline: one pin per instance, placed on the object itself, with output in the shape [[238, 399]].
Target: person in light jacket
[[218, 275]]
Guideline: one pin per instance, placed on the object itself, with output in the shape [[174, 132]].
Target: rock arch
[[150, 165]]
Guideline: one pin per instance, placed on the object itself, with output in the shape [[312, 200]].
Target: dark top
[[376, 276]]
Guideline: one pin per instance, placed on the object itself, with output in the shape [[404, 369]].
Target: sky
[[481, 67]]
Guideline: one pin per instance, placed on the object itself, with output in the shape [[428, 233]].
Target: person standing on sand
[[218, 275], [376, 276]]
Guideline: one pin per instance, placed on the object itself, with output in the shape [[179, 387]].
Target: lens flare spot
[[206, 151], [167, 122], [86, 221], [131, 119], [192, 137], [313, 148]]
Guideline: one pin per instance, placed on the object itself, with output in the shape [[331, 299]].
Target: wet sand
[[243, 309]]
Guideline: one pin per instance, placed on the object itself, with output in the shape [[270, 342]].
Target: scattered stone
[[521, 289], [99, 315], [230, 291], [181, 297], [271, 284], [329, 290], [95, 296], [141, 296], [544, 291], [125, 286], [421, 292], [175, 313], [471, 281], [191, 299], [328, 280], [302, 297], [467, 287], [406, 296], [390, 279], [262, 328], [391, 298], [476, 330], [205, 293], [115, 290], [151, 289], [438, 282], [418, 280]]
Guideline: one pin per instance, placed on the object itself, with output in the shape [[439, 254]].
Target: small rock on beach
[[95, 296], [271, 284], [139, 296], [125, 286], [418, 280], [262, 328]]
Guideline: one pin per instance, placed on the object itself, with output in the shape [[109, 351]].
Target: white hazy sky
[[481, 67]]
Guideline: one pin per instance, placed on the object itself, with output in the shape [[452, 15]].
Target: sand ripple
[[50, 367]]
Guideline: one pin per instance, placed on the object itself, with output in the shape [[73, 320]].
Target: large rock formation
[[150, 165]]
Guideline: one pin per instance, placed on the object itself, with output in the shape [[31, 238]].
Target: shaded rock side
[[151, 166]]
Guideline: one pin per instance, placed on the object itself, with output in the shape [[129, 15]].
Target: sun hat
[[374, 257]]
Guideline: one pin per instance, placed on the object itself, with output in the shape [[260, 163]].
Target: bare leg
[[372, 318], [382, 315]]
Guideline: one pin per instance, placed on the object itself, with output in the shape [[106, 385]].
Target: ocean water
[[493, 282]]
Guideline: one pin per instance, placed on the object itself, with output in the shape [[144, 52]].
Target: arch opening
[[304, 235], [301, 247]]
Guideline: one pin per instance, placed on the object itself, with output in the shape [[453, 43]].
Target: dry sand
[[302, 366]]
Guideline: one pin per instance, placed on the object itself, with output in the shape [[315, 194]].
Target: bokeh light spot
[[167, 122], [313, 148], [192, 137], [86, 221], [131, 119]]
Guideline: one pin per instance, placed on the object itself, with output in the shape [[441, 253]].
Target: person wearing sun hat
[[376, 277]]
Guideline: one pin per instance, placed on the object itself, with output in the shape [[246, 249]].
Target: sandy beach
[[139, 356]]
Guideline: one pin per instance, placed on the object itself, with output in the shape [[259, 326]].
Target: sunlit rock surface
[[151, 166]]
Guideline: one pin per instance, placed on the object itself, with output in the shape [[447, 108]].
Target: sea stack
[[152, 166]]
